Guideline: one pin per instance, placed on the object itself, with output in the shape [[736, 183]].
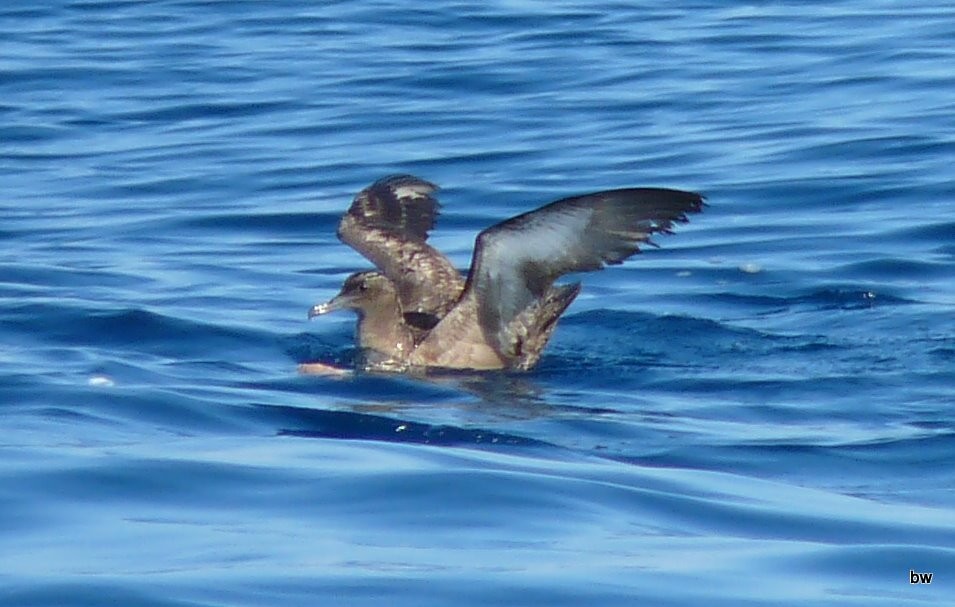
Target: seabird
[[417, 311]]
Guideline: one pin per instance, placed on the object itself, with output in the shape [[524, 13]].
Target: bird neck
[[382, 328]]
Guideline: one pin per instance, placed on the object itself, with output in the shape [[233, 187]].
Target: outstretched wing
[[388, 223], [517, 260]]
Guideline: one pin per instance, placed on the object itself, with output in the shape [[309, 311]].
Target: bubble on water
[[751, 268], [101, 381]]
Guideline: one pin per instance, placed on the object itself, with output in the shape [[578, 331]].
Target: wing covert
[[517, 260], [388, 223]]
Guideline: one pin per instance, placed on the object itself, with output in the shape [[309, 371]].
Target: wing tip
[[401, 203], [398, 180]]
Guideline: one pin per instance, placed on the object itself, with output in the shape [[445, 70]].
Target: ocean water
[[759, 412]]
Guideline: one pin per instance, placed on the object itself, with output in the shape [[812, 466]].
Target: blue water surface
[[759, 412]]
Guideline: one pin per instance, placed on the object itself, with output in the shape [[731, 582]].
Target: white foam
[[101, 381]]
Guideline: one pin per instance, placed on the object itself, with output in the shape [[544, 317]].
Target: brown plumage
[[417, 311], [388, 223]]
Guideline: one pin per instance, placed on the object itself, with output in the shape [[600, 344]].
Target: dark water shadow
[[352, 425]]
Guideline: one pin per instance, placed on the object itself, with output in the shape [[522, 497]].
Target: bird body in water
[[417, 311]]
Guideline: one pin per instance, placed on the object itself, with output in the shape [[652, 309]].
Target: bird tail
[[538, 323]]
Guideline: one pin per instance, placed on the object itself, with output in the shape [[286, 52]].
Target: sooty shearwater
[[417, 311]]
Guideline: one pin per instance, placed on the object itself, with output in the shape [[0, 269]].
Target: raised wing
[[388, 223], [516, 261]]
